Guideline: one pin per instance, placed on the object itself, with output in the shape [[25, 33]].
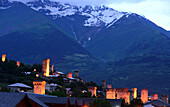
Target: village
[[22, 94]]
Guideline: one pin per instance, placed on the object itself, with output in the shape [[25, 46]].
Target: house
[[157, 103], [51, 87], [19, 87]]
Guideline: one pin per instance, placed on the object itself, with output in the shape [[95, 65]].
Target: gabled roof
[[10, 99], [19, 85], [158, 103], [33, 98]]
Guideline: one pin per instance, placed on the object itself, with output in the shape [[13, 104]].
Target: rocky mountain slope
[[32, 37], [99, 30]]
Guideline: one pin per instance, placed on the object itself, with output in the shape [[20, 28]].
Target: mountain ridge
[[34, 34]]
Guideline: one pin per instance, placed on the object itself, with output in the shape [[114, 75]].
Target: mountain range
[[108, 44]]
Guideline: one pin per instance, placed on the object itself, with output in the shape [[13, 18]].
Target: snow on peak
[[96, 16]]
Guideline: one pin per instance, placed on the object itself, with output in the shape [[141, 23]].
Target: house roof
[[158, 103], [14, 99], [33, 98], [53, 100], [72, 100], [19, 85], [115, 102], [42, 100], [87, 101]]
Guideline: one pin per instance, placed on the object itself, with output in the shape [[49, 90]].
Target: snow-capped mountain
[[96, 15], [106, 33]]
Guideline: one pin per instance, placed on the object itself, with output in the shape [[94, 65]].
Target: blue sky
[[158, 11]]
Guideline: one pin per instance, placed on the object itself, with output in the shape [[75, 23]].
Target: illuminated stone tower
[[144, 95], [134, 92], [92, 89], [154, 97], [76, 74], [122, 93], [18, 63], [3, 58], [46, 67], [39, 87], [70, 75], [164, 98], [110, 93]]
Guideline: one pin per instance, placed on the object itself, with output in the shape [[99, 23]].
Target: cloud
[[97, 2], [157, 11]]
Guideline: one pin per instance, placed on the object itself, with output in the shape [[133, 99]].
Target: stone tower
[[3, 58], [103, 84], [46, 67], [144, 95], [70, 75], [110, 93], [39, 87], [122, 93], [134, 92], [76, 74], [92, 89], [164, 98]]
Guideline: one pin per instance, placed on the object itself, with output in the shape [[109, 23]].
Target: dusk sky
[[157, 11]]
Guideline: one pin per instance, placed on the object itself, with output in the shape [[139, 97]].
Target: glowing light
[[134, 92], [48, 68], [3, 57], [37, 75], [35, 70], [18, 63], [70, 74]]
